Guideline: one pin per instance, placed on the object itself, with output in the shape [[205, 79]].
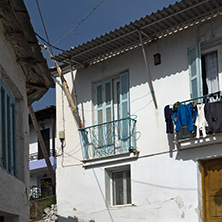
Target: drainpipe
[[148, 71]]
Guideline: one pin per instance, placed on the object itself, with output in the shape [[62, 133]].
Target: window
[[112, 103], [8, 130], [203, 71], [112, 99], [46, 187], [45, 136], [118, 186]]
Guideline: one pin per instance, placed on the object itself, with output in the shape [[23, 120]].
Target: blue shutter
[[124, 111], [3, 130], [8, 131], [14, 156], [196, 86], [104, 113], [9, 136]]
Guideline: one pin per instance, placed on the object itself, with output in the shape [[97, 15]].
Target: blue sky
[[60, 16]]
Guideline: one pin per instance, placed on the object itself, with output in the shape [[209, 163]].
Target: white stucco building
[[122, 82], [24, 78]]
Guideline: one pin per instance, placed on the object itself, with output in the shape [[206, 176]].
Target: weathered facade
[[123, 166], [24, 78]]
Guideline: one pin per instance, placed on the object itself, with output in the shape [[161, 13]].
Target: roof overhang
[[20, 34], [158, 25]]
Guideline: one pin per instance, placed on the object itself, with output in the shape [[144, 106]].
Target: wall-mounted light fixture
[[157, 59]]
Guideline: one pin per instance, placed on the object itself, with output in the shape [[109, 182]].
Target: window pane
[[100, 116], [124, 87], [118, 188], [100, 128], [108, 93], [108, 126], [194, 88], [211, 72], [118, 99], [128, 187], [193, 58], [99, 96]]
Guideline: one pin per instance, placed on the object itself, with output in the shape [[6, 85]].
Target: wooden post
[[66, 88], [42, 144]]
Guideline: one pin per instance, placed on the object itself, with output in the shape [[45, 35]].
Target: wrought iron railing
[[35, 156], [108, 138]]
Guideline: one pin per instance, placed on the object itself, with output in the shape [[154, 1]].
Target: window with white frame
[[8, 130], [118, 186], [203, 68]]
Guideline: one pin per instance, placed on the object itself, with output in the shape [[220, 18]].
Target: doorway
[[212, 190]]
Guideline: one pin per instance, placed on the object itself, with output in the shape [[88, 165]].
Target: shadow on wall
[[199, 152], [70, 219]]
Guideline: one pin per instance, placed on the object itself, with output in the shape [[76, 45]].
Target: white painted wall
[[165, 181], [14, 191]]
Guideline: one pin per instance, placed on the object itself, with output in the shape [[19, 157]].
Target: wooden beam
[[66, 89], [29, 60], [33, 86], [42, 144]]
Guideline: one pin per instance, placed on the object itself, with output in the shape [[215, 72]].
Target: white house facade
[[21, 84], [123, 166]]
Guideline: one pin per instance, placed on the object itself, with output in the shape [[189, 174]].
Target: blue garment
[[184, 115]]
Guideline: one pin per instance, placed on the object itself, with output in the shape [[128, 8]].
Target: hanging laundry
[[213, 114], [184, 115], [168, 119], [200, 122]]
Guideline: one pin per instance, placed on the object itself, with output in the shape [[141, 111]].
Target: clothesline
[[200, 97], [203, 116]]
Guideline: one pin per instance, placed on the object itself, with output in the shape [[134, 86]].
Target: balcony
[[37, 163], [35, 156], [108, 139]]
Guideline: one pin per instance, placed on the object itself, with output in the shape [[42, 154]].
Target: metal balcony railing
[[108, 138], [35, 156]]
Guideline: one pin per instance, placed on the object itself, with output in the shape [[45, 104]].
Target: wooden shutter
[[196, 86]]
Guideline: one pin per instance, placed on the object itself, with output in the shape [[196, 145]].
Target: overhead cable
[[44, 26], [78, 23], [48, 44]]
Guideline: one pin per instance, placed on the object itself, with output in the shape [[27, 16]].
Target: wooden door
[[212, 190]]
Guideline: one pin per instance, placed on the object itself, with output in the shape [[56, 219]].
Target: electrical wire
[[40, 13], [48, 44], [78, 24]]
